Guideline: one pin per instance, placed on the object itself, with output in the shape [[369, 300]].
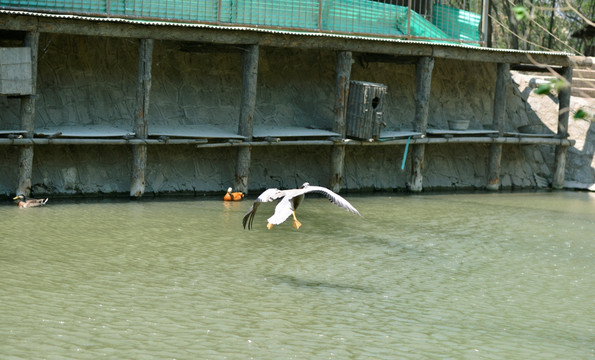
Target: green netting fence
[[358, 17]]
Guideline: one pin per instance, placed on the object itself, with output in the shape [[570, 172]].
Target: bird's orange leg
[[269, 226], [296, 223]]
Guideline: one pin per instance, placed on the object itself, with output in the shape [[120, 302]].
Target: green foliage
[[580, 114], [541, 24], [520, 13], [553, 84]]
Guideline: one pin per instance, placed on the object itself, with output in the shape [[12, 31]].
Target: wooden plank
[[84, 131], [143, 89], [202, 131], [423, 81], [387, 134], [342, 78], [12, 132], [471, 132], [526, 135], [246, 121], [291, 131]]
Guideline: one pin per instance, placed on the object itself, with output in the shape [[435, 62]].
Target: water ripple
[[419, 277]]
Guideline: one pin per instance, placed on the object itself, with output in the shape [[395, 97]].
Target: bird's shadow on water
[[300, 283]]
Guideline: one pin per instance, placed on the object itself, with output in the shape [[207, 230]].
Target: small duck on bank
[[23, 202], [233, 196]]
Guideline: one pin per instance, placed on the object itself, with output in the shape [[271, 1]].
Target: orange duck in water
[[233, 196], [23, 202]]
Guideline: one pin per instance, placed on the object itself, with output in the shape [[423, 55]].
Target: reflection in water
[[432, 276]]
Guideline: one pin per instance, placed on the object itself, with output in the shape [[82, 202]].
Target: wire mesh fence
[[453, 21]]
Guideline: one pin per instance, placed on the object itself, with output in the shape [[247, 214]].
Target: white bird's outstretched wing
[[332, 196], [286, 206], [267, 196]]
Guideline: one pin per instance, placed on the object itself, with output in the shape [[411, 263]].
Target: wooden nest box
[[15, 71], [364, 110]]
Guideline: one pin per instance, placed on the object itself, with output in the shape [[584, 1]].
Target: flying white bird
[[290, 200]]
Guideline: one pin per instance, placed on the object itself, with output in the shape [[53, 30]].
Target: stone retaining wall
[[83, 80]]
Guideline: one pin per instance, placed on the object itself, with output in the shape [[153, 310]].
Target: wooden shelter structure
[[25, 23]]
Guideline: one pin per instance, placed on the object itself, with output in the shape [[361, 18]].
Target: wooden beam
[[423, 82], [143, 89], [534, 68], [306, 40], [28, 119], [246, 122], [343, 75], [494, 162], [204, 143], [563, 116]]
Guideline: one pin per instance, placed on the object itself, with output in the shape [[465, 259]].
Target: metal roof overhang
[[242, 35]]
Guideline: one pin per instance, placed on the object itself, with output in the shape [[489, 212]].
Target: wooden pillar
[[246, 123], [143, 88], [423, 81], [563, 115], [28, 119], [344, 62], [494, 161]]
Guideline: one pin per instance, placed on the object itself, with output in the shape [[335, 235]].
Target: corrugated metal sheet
[[272, 31]]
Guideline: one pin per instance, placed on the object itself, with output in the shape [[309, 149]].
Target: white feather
[[286, 206]]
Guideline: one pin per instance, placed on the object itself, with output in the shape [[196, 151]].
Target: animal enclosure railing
[[448, 21]]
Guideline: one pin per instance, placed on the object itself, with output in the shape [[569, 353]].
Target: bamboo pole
[[344, 62], [423, 81], [143, 88], [494, 162], [246, 122], [563, 115], [28, 119]]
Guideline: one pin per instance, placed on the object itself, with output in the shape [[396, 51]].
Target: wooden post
[[28, 119], [494, 161], [246, 123], [143, 88], [563, 115], [344, 62], [423, 81]]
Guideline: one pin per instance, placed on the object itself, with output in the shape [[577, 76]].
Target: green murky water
[[472, 276]]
